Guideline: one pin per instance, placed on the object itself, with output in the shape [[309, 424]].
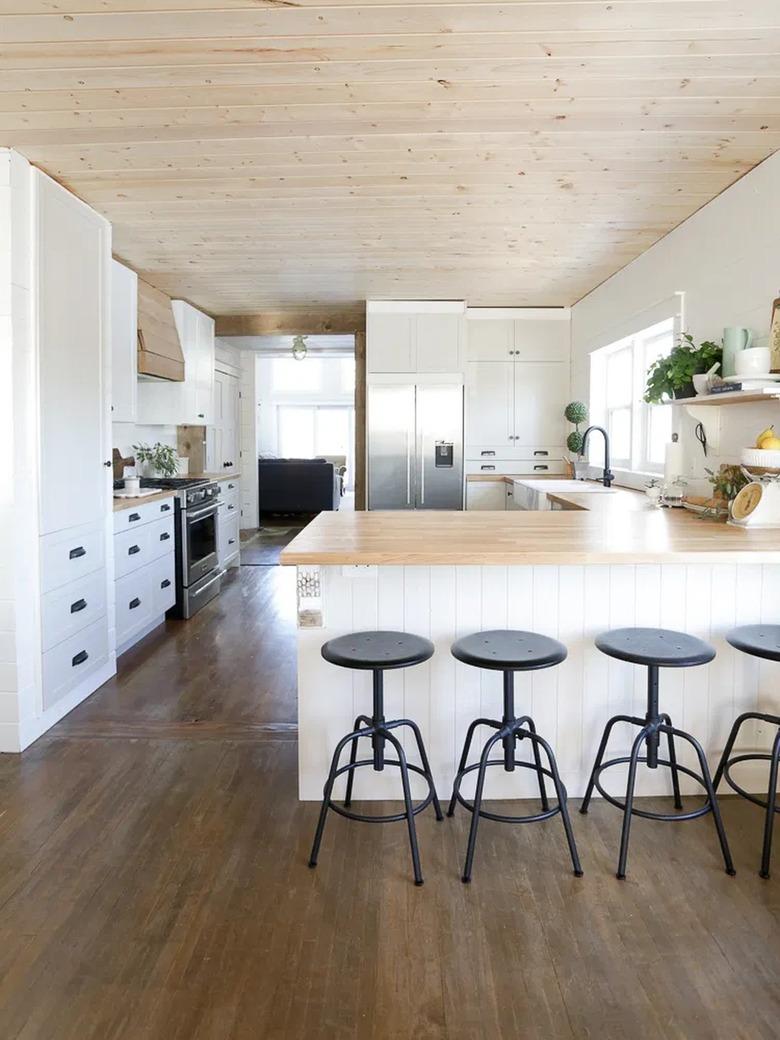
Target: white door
[[491, 339], [124, 343], [489, 404], [438, 338], [390, 343], [74, 250], [541, 394]]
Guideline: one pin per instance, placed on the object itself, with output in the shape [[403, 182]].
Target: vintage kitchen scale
[[758, 503]]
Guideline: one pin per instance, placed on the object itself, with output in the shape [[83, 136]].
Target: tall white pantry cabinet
[[56, 588]]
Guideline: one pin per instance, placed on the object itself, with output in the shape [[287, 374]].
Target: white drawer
[[515, 467], [230, 497], [228, 537], [515, 452], [163, 573], [72, 554], [73, 660], [73, 607], [135, 603], [142, 513], [134, 549]]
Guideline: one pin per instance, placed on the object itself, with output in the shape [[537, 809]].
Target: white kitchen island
[[571, 575]]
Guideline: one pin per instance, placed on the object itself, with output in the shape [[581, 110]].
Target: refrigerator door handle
[[408, 469], [422, 470]]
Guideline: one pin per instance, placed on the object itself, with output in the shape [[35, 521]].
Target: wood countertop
[[571, 536], [134, 503]]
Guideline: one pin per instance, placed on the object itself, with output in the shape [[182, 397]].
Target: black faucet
[[608, 476]]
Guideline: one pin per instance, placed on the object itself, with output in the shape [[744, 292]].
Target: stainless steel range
[[198, 578]]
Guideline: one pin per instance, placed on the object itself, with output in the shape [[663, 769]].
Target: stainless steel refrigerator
[[415, 446]]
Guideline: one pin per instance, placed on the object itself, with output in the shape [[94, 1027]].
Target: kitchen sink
[[532, 494]]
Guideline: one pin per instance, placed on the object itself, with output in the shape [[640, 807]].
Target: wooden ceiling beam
[[310, 322]]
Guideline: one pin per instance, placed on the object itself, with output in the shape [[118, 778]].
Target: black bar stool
[[655, 648], [378, 651], [510, 652], [759, 641]]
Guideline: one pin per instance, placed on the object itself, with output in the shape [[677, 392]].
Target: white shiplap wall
[[571, 703]]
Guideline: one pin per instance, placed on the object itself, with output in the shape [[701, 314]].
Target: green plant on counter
[[672, 375], [161, 457], [576, 412], [727, 482]]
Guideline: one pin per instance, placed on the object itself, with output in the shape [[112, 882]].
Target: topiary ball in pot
[[574, 442], [576, 412]]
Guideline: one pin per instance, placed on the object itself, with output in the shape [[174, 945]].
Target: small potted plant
[[576, 412], [671, 376], [160, 459]]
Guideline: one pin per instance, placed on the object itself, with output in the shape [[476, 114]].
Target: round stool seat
[[661, 647], [373, 650], [758, 640], [508, 650]]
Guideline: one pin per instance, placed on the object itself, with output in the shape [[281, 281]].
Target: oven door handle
[[210, 510]]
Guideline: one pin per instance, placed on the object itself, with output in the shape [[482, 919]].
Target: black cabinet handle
[[164, 584], [231, 541], [78, 551], [231, 486], [80, 604], [164, 536], [133, 517], [133, 550], [231, 507], [545, 453], [201, 415], [109, 463], [134, 603], [487, 467], [80, 658], [485, 454], [165, 508], [541, 467]]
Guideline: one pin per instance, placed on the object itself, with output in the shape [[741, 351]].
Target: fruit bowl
[[760, 458]]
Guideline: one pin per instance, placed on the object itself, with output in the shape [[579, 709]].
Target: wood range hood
[[159, 348]]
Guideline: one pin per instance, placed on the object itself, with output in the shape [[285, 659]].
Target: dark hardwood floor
[[153, 884]]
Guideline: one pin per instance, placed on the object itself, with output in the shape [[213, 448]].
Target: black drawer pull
[[231, 541], [165, 508], [541, 467], [78, 551], [133, 550], [231, 507], [487, 467], [80, 604], [545, 453], [80, 658], [164, 536], [134, 603], [485, 454], [231, 486], [164, 584], [133, 517]]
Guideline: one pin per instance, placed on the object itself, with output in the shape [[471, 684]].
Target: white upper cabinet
[[196, 332], [545, 339], [490, 340], [74, 253], [124, 343], [405, 340], [541, 394]]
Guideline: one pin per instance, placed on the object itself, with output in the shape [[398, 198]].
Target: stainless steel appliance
[[415, 446], [198, 578]]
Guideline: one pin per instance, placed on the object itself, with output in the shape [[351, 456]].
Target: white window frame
[[639, 464]]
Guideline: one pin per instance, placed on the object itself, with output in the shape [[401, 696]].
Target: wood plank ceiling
[[290, 153]]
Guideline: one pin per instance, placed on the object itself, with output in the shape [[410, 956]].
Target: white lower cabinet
[[72, 661], [228, 537], [67, 610], [145, 570], [486, 494]]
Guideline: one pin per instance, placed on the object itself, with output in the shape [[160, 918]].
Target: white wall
[[125, 435], [725, 260]]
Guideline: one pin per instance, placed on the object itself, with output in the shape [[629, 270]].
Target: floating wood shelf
[[770, 393]]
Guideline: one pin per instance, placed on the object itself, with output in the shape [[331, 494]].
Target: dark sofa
[[297, 486]]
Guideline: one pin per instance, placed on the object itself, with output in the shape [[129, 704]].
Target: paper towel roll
[[673, 459]]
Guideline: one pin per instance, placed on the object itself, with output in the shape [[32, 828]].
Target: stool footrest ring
[[390, 818], [757, 756], [496, 816], [664, 817]]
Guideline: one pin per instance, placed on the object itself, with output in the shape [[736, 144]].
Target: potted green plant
[[672, 375], [159, 458], [576, 412]]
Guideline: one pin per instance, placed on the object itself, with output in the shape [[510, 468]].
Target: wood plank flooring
[[153, 884]]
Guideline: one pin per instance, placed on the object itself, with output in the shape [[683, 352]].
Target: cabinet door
[[438, 342], [489, 340], [489, 404], [73, 253], [541, 394], [390, 343], [542, 339], [124, 343], [204, 367], [225, 419], [486, 494]]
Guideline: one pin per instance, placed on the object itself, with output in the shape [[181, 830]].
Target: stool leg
[[771, 801], [705, 775], [466, 878], [673, 763], [560, 794], [600, 755], [387, 735], [730, 747], [630, 785], [464, 759], [352, 758], [327, 792], [529, 722], [423, 759]]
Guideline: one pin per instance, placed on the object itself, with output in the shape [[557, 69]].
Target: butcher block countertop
[[576, 535], [134, 503]]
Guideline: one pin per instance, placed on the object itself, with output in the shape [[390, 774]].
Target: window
[[305, 431], [638, 432]]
